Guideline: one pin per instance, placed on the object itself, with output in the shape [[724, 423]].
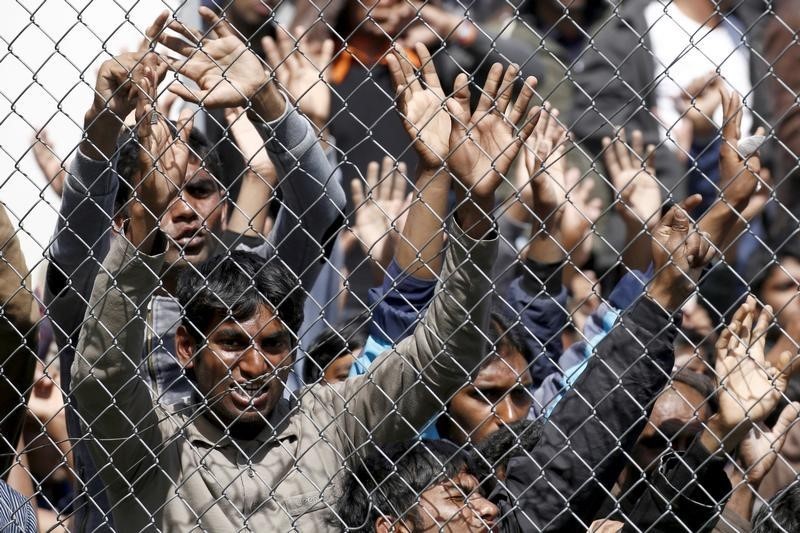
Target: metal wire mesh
[[399, 265]]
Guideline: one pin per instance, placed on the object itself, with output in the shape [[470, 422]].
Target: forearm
[[741, 500], [579, 455], [252, 205], [419, 249], [313, 200], [636, 255], [406, 386], [83, 231], [101, 129]]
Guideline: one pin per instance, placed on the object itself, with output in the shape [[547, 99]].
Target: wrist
[[102, 129], [666, 293], [268, 103]]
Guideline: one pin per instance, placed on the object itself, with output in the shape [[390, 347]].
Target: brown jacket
[[174, 471]]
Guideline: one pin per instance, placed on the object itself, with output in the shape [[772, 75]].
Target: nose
[[509, 411], [252, 363], [485, 510], [181, 210]]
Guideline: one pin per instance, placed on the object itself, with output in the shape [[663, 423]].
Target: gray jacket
[[177, 471], [311, 205]]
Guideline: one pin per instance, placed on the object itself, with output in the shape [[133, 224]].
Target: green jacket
[[176, 471]]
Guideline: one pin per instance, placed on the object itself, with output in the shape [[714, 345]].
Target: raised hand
[[679, 254], [115, 95], [760, 448], [699, 101], [632, 174], [163, 160], [302, 70], [751, 386], [379, 208], [48, 162], [738, 172], [546, 166], [226, 71], [422, 107], [484, 143]]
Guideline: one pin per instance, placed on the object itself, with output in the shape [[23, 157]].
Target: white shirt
[[684, 50]]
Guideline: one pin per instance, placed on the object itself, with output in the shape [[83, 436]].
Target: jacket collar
[[198, 428]]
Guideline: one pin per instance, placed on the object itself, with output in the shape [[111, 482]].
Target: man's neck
[[700, 11]]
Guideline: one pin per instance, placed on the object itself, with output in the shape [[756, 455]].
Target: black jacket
[[561, 485]]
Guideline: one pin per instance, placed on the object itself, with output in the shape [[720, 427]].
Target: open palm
[[751, 386], [226, 71], [421, 108], [483, 144]]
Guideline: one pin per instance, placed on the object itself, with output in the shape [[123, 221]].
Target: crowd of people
[[400, 265]]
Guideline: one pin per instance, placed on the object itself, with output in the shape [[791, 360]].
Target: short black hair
[[389, 482], [234, 285], [702, 383], [781, 514], [127, 164], [332, 344], [494, 453], [505, 329]]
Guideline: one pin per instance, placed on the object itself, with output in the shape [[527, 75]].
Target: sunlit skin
[[339, 369], [242, 369], [499, 395], [453, 505], [195, 218], [781, 290], [677, 417]]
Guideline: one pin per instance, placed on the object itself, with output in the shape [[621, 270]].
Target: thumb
[[780, 430]]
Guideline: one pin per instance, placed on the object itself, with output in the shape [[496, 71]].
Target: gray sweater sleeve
[[81, 240], [312, 201]]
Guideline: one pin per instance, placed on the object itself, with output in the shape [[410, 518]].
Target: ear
[[185, 347], [224, 207]]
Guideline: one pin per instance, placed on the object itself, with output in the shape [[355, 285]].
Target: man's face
[[242, 369], [195, 219], [678, 415], [498, 395], [252, 12], [780, 290], [455, 505]]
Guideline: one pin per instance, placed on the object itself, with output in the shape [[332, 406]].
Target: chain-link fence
[[395, 265]]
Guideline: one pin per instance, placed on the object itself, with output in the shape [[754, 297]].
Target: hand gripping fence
[[399, 265]]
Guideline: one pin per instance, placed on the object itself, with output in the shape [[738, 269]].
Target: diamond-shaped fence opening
[[399, 265]]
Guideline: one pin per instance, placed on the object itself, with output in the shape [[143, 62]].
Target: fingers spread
[[523, 100], [221, 27], [506, 89], [489, 92]]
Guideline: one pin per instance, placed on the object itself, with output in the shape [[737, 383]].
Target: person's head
[[774, 276], [500, 392], [781, 514], [678, 416], [197, 216], [490, 458], [237, 336], [333, 353], [414, 486]]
